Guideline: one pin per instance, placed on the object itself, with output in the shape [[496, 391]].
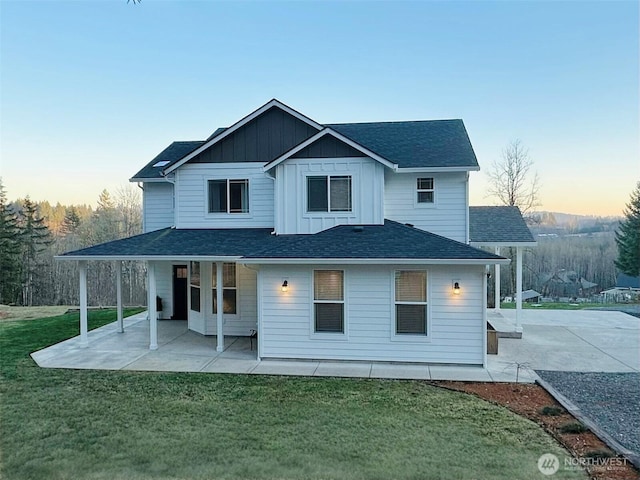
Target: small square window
[[425, 190]]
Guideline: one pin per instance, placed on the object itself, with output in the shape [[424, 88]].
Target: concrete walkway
[[568, 340], [552, 340]]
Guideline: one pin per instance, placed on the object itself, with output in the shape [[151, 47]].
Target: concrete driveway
[[567, 340]]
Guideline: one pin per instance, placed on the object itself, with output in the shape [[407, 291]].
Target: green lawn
[[64, 424]]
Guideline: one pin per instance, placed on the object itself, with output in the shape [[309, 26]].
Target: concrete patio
[[595, 341]]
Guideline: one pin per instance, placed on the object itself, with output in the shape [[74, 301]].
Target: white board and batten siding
[[157, 206], [164, 287], [192, 196], [239, 324], [367, 186], [447, 216], [455, 324]]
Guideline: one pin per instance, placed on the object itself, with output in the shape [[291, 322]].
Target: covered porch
[[498, 228], [109, 348]]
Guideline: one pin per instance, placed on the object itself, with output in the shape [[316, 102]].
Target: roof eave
[[377, 261], [503, 244], [470, 168], [195, 258], [328, 131]]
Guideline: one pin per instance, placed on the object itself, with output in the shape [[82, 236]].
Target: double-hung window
[[228, 196], [426, 190], [328, 301], [229, 288], [411, 302], [329, 193], [194, 283]]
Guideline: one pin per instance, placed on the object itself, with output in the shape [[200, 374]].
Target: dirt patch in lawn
[[535, 403]]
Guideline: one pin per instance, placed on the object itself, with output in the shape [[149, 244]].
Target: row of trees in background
[[513, 182], [33, 233]]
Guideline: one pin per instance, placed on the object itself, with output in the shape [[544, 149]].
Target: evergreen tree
[[9, 251], [71, 221], [35, 237], [628, 237]]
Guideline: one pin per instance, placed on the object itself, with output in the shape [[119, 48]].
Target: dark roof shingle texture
[[498, 224], [428, 143], [391, 240], [171, 154]]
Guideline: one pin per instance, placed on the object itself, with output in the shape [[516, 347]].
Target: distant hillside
[[557, 223]]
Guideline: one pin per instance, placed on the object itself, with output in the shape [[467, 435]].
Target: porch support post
[[497, 282], [153, 313], [119, 296], [518, 287], [219, 303], [84, 331]]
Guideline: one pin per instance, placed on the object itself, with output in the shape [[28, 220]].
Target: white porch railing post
[[119, 296], [153, 313], [497, 283], [518, 287], [84, 330], [220, 304]]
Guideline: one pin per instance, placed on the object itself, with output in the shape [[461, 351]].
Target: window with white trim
[[426, 190], [328, 301], [229, 288], [228, 196], [194, 283], [411, 302], [329, 193]]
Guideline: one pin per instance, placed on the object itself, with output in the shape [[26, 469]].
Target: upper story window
[[229, 196], [425, 190], [329, 193]]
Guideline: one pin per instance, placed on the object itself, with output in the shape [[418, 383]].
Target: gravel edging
[[607, 403]]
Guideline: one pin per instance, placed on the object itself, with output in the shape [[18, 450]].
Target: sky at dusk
[[92, 91]]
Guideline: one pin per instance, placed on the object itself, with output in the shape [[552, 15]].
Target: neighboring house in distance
[[341, 241], [627, 289], [566, 284]]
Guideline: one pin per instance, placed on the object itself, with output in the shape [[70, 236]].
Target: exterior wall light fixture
[[456, 288], [285, 286]]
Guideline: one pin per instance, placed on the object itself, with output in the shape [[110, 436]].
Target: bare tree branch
[[512, 181]]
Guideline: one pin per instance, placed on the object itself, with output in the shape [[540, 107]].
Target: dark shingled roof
[[171, 154], [498, 224], [388, 241], [428, 143], [391, 240], [184, 242], [627, 281]]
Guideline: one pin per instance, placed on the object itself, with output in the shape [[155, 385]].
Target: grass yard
[[65, 424]]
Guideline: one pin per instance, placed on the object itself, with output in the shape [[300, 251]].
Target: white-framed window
[[411, 302], [229, 288], [329, 193], [194, 285], [426, 190], [228, 196], [328, 301]]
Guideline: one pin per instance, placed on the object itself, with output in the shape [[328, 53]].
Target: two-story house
[[341, 241]]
